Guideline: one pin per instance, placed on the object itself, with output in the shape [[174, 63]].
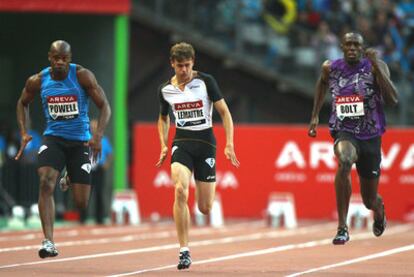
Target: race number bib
[[189, 114], [63, 107], [349, 106]]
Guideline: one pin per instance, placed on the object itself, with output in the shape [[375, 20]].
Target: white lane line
[[62, 232], [361, 236], [357, 260], [225, 240], [145, 236]]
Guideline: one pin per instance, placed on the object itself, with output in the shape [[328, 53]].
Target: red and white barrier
[[125, 208], [281, 210], [358, 215]]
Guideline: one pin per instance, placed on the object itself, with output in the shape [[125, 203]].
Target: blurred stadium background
[[265, 54]]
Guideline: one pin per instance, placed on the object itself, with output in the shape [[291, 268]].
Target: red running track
[[242, 248]]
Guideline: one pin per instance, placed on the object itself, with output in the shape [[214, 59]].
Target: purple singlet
[[356, 100]]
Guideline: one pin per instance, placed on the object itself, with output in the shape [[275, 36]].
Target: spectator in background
[[326, 43], [98, 179]]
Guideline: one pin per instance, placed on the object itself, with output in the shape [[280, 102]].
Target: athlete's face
[[183, 69], [59, 61], [352, 46]]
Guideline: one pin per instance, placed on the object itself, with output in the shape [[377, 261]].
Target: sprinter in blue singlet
[[65, 90]]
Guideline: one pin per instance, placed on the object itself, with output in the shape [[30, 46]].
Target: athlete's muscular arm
[[321, 87], [29, 92], [227, 120], [163, 129], [88, 82], [382, 77]]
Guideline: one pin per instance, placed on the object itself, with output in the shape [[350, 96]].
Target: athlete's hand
[[24, 141], [163, 155], [231, 155], [312, 127], [372, 55], [96, 147]]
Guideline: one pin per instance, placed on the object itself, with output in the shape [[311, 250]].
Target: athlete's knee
[[47, 183], [345, 163], [181, 194], [205, 207]]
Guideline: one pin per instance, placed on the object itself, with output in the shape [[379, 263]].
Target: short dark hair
[[182, 51]]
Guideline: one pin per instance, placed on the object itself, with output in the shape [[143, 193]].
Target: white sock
[[182, 249]]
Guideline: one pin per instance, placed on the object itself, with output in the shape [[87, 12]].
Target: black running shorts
[[198, 156], [58, 152], [368, 151]]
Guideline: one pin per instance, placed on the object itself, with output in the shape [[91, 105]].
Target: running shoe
[[342, 236], [48, 249], [378, 226], [185, 260]]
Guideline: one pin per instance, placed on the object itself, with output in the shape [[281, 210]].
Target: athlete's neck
[[180, 82], [59, 76]]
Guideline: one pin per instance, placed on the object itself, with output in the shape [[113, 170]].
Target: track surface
[[247, 248]]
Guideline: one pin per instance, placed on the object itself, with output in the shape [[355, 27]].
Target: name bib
[[349, 106], [189, 113], [63, 107]]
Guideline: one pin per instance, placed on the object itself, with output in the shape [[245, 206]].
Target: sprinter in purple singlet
[[360, 85]]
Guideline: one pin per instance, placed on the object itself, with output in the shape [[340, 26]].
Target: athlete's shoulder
[[80, 70], [203, 76], [34, 82], [163, 85]]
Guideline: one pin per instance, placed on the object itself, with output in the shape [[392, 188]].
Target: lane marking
[[225, 240], [129, 238], [61, 232], [357, 260], [361, 236]]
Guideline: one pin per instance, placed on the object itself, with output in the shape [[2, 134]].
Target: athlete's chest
[[194, 91], [360, 82]]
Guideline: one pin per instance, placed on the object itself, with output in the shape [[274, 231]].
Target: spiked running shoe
[[342, 236], [48, 249], [185, 260], [378, 226]]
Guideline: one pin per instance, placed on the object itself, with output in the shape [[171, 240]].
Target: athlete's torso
[[192, 107], [65, 105], [356, 100]]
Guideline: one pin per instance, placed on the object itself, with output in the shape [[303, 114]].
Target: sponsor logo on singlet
[[63, 107], [349, 106], [189, 113]]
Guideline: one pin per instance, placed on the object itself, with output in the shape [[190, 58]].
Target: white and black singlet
[[192, 107]]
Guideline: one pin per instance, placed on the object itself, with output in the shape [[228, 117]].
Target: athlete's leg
[[48, 178], [346, 155], [373, 201], [181, 176], [205, 192], [81, 194], [79, 169]]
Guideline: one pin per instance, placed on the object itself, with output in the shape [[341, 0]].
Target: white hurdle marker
[[33, 221], [281, 210], [125, 208], [214, 219], [358, 215], [17, 219]]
